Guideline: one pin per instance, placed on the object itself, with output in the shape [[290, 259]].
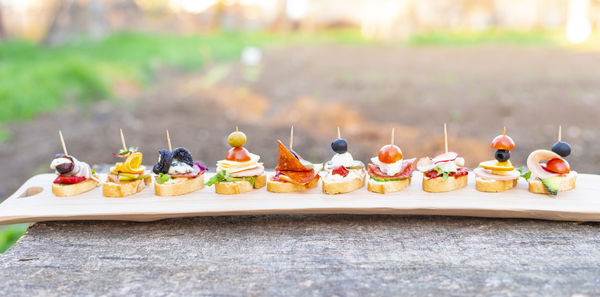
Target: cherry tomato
[[557, 165], [503, 142], [390, 154], [238, 154]]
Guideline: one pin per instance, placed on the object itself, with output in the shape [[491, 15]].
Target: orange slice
[[497, 166]]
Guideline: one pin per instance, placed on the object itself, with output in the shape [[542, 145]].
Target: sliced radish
[[425, 164], [445, 157]]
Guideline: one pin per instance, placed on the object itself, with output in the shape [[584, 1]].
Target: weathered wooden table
[[306, 255]]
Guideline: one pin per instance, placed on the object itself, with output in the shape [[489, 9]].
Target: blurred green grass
[[10, 234], [493, 36]]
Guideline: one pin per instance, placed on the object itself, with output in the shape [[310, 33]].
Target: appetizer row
[[176, 172]]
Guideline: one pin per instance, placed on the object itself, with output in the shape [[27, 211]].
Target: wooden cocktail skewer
[[339, 134], [123, 140], [62, 141], [292, 138], [504, 131], [393, 136], [445, 138], [559, 133], [169, 141]]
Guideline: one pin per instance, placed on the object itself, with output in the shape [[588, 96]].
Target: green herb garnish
[[386, 179], [162, 178], [130, 150], [224, 176], [526, 174]]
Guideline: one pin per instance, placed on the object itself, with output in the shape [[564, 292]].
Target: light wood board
[[581, 204]]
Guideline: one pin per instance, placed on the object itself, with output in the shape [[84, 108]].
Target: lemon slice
[[497, 166]]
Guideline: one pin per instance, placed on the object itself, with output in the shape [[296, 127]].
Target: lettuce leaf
[[224, 176], [162, 178], [526, 174]]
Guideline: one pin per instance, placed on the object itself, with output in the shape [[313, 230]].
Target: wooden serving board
[[581, 204]]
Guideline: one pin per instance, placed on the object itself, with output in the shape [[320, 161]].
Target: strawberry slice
[[69, 179], [340, 170]]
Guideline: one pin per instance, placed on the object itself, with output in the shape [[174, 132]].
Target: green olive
[[236, 139]]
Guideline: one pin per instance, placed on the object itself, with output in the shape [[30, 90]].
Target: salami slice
[[297, 177]]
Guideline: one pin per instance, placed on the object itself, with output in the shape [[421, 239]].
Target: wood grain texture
[[306, 255], [581, 204]]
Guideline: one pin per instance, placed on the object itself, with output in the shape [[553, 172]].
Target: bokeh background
[[199, 68]]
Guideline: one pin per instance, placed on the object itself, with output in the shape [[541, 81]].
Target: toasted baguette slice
[[568, 183], [62, 190], [237, 187], [437, 185], [494, 186], [343, 186], [179, 186], [388, 186], [285, 187], [125, 188]]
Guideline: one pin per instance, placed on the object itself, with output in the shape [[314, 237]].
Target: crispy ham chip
[[286, 161], [298, 177]]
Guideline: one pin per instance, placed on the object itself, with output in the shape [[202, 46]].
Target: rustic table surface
[[306, 255]]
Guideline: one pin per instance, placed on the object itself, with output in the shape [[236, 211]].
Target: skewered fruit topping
[[339, 146], [497, 166], [131, 165], [236, 139], [183, 155], [557, 165], [562, 148], [502, 155], [238, 154], [503, 142], [164, 162], [389, 154]]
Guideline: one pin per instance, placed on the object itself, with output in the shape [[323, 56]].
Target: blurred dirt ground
[[366, 90]]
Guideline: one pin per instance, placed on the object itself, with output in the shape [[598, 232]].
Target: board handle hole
[[31, 191]]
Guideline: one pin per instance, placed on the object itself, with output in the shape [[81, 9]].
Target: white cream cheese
[[388, 169], [59, 161], [344, 159], [352, 174], [449, 166], [178, 167]]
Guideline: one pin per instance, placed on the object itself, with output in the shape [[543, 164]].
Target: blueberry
[[563, 149], [502, 155], [339, 146]]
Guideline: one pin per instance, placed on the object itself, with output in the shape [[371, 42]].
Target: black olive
[[502, 155], [339, 146], [164, 163], [183, 155], [563, 149]]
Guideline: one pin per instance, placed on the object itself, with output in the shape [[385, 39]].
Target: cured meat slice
[[286, 161], [408, 166], [297, 177]]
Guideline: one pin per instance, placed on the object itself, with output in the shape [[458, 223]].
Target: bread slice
[[437, 185], [388, 186], [125, 188], [237, 187], [285, 187], [343, 186], [568, 183], [494, 186], [64, 190], [179, 186]]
